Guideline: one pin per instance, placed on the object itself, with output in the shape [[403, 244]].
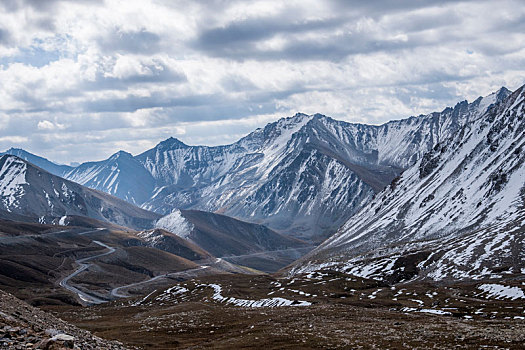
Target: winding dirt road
[[87, 298], [116, 292]]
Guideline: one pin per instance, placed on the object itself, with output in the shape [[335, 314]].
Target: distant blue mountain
[[53, 168]]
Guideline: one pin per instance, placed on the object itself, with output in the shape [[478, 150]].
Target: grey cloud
[[257, 29], [422, 21], [41, 5], [237, 83], [47, 24], [381, 7], [5, 37], [330, 49], [238, 41], [133, 103], [208, 105], [159, 73], [141, 41], [10, 5]]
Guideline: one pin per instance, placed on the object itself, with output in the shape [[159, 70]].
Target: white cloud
[[47, 125], [13, 139], [87, 78]]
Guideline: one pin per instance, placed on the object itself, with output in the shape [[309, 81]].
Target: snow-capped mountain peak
[[458, 209], [172, 143], [120, 175], [484, 103]]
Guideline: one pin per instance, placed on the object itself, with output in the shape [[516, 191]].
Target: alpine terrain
[[428, 246], [28, 190], [303, 175], [456, 214]]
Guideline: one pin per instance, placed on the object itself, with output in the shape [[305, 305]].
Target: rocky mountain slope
[[304, 175], [458, 213], [25, 327], [30, 191], [243, 243]]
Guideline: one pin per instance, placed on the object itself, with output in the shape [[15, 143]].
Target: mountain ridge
[[458, 208], [28, 190], [241, 179]]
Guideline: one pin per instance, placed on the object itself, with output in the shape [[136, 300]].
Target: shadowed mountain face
[[212, 229], [121, 176], [304, 175], [240, 242], [30, 191], [457, 213]]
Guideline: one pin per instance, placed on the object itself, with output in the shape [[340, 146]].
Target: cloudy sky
[[81, 79]]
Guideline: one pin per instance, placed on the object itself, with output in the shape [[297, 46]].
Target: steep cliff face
[[459, 208]]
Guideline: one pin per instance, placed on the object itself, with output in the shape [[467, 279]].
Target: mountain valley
[[307, 233]]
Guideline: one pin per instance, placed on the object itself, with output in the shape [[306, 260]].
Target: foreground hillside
[[323, 310], [25, 327]]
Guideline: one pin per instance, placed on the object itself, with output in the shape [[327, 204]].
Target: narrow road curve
[[115, 292], [89, 299]]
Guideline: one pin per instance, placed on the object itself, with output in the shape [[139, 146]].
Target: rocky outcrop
[[25, 327]]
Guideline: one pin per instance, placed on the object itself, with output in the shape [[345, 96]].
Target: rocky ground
[[315, 311], [25, 327]]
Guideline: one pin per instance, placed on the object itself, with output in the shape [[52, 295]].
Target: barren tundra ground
[[340, 311]]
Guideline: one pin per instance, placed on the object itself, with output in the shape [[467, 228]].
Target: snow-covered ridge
[[12, 177], [176, 224], [303, 175], [458, 210]]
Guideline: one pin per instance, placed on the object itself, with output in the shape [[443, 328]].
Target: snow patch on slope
[[12, 177], [176, 224], [268, 302], [499, 291]]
